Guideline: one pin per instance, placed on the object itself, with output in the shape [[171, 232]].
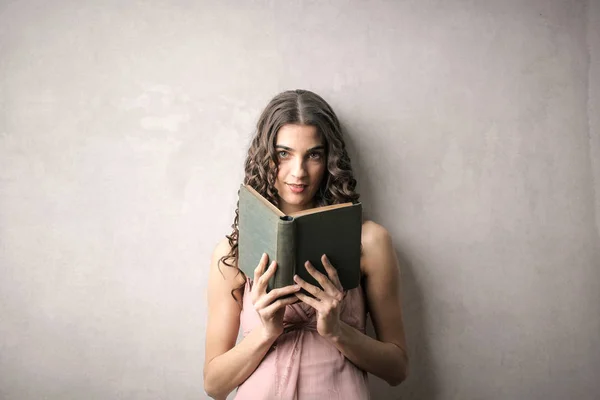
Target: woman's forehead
[[299, 135]]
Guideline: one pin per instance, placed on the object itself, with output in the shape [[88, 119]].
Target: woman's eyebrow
[[319, 147]]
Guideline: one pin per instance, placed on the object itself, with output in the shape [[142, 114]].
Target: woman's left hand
[[327, 301]]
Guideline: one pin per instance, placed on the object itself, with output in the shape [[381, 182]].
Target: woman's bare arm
[[385, 357], [227, 365]]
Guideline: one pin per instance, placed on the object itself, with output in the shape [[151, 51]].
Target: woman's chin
[[296, 201]]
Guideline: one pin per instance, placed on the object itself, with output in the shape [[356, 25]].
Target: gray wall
[[123, 129], [593, 40]]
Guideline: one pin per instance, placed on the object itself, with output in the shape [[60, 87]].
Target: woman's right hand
[[270, 306]]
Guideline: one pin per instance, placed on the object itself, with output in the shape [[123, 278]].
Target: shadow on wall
[[421, 383]]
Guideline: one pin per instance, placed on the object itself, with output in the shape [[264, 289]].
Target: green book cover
[[293, 239]]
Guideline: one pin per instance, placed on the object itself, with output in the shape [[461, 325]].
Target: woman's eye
[[282, 154], [315, 156]]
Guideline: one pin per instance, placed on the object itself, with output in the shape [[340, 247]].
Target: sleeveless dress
[[302, 365]]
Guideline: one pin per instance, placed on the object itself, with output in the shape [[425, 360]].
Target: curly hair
[[300, 107]]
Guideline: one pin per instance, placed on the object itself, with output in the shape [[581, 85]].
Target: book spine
[[286, 254]]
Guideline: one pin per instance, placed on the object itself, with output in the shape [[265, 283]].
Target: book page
[[319, 209]]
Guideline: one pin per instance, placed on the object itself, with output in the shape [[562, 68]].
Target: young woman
[[296, 346]]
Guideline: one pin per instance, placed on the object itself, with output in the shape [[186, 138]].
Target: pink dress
[[302, 365]]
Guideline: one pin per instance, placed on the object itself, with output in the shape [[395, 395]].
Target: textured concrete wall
[[593, 40], [123, 128]]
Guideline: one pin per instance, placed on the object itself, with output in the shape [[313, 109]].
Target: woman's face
[[302, 161]]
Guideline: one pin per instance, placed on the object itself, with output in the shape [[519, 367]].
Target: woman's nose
[[299, 169]]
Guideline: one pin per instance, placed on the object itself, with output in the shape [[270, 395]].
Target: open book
[[293, 239]]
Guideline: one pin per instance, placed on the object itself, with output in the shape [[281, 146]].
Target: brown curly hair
[[300, 107]]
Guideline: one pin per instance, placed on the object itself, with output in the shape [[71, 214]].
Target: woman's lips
[[297, 188]]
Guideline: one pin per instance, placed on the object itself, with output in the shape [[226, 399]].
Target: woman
[[296, 346]]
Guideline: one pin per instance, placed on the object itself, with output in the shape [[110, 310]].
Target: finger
[[312, 289], [324, 281], [263, 281], [258, 271], [332, 272], [314, 303], [277, 305], [274, 294]]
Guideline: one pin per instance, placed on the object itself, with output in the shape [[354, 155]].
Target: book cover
[[293, 239]]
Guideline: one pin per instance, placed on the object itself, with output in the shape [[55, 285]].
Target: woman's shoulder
[[373, 233], [222, 248], [226, 266], [376, 247]]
